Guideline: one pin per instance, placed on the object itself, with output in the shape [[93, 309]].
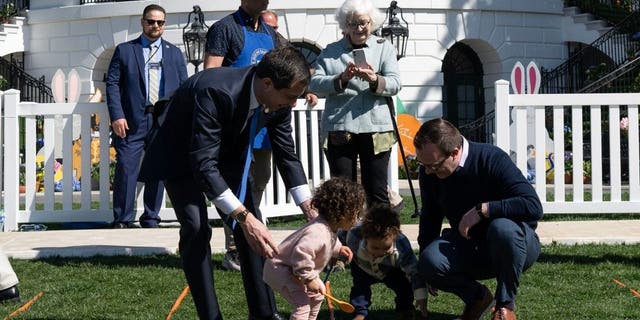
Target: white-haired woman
[[356, 122]]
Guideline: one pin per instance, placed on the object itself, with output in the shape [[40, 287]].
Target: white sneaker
[[230, 261]]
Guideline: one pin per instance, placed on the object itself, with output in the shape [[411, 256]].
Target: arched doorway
[[463, 93], [308, 50]]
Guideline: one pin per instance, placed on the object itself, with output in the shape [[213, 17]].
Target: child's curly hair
[[380, 222], [338, 199]]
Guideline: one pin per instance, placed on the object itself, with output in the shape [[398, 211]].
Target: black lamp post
[[195, 38], [394, 31]]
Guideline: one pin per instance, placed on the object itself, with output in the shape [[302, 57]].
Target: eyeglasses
[[358, 24], [152, 22], [436, 165]]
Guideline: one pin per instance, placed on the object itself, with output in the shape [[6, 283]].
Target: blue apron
[[256, 44]]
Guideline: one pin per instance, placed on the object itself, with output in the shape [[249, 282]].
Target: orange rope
[[619, 283], [329, 302], [176, 304], [634, 292], [24, 307]]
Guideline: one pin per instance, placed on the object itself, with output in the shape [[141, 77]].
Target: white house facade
[[457, 54], [456, 49]]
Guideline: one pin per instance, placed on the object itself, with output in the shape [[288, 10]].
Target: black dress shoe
[[150, 226], [10, 294], [120, 225], [277, 316]]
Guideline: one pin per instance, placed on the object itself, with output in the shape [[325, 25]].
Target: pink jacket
[[303, 254]]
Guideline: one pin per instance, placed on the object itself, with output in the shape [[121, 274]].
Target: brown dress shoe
[[476, 310], [503, 314]]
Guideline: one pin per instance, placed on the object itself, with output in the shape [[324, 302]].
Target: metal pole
[[392, 113]]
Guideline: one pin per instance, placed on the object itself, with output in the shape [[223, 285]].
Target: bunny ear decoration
[[57, 86], [533, 78], [73, 87], [517, 78]]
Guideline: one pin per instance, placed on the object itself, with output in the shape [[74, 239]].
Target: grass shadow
[[586, 260], [163, 260]]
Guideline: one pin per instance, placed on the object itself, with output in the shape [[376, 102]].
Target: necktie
[[242, 190], [154, 75]]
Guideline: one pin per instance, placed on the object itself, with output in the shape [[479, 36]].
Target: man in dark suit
[[141, 71], [200, 148]]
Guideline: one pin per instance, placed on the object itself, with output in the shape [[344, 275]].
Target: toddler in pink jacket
[[295, 271]]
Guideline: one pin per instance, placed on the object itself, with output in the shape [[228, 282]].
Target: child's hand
[[346, 252], [316, 286], [421, 304]]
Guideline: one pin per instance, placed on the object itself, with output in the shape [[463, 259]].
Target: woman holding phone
[[356, 74]]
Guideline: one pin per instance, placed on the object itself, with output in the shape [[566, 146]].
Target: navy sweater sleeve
[[518, 200], [488, 175]]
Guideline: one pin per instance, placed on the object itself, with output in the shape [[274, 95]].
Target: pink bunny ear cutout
[[73, 87], [57, 86], [517, 78], [533, 78]]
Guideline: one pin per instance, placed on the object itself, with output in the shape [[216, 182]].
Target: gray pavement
[[107, 242], [89, 242]]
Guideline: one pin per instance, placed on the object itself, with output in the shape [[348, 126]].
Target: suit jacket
[[204, 131], [126, 89]]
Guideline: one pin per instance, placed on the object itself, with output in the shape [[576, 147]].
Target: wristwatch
[[242, 216], [479, 211]]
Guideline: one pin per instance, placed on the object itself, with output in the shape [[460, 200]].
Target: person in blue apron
[[256, 44], [238, 40]]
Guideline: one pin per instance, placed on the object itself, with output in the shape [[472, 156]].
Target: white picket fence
[[613, 195], [76, 206]]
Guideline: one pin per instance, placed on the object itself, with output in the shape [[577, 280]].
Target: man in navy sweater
[[493, 212]]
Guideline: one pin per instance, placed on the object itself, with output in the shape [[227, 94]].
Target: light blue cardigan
[[356, 108]]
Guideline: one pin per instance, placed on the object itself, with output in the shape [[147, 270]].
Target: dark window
[[463, 93]]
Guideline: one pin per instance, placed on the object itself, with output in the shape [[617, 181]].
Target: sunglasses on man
[[152, 22]]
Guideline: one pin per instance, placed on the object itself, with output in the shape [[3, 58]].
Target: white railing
[[94, 206], [608, 191]]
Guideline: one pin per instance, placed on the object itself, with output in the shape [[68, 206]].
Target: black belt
[[148, 109]]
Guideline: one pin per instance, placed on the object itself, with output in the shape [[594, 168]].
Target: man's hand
[[258, 237], [309, 211], [469, 219], [120, 127], [311, 99]]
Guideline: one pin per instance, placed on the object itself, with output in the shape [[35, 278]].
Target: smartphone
[[359, 58]]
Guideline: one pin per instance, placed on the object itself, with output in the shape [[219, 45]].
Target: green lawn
[[568, 282]]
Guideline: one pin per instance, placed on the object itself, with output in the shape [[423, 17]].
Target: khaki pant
[[8, 277]]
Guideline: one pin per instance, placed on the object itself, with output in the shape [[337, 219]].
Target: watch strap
[[241, 217]]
